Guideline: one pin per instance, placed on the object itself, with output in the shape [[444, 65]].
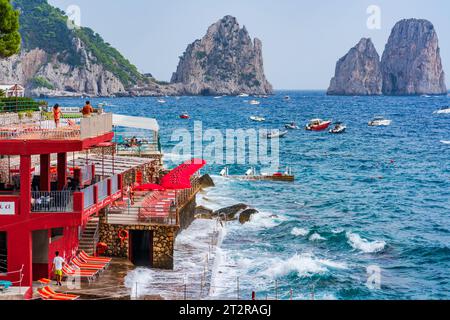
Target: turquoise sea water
[[372, 197]]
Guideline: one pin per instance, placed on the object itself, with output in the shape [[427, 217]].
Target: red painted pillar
[[25, 185], [20, 254], [45, 172], [62, 170], [78, 202], [109, 186]]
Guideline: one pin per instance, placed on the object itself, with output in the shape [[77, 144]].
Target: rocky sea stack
[[411, 62], [358, 72], [224, 61]]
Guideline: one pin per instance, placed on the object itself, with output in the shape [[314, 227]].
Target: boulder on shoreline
[[202, 212], [246, 215], [206, 181]]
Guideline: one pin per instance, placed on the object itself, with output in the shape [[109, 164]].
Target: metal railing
[[86, 173], [102, 188], [96, 125], [88, 196], [53, 201], [144, 216], [12, 128], [114, 184]]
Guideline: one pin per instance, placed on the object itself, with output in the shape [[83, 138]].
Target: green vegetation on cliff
[[44, 26], [9, 30]]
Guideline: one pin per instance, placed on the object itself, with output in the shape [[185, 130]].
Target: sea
[[368, 216]]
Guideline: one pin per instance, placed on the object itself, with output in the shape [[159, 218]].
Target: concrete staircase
[[87, 240]]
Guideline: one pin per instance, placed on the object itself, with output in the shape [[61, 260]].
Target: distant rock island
[[410, 65], [411, 62], [358, 72], [224, 61]]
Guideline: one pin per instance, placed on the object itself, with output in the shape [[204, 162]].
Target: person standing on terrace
[[58, 264], [87, 110], [57, 114]]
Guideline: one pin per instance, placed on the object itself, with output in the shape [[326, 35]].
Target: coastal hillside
[[58, 60], [224, 61]]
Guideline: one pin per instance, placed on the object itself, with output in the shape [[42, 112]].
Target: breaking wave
[[364, 245]]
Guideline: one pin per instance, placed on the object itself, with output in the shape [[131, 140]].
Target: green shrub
[[41, 82]]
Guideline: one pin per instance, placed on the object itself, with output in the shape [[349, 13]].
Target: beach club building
[[64, 189]]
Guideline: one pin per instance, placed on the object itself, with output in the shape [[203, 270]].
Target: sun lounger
[[83, 255], [48, 293], [88, 275], [87, 266]]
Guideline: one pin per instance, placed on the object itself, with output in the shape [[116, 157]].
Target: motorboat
[[287, 98], [184, 116], [161, 101], [318, 125], [380, 122], [291, 126], [243, 95], [339, 128], [255, 102], [257, 119], [276, 134], [444, 110]]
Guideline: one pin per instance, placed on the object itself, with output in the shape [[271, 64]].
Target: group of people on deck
[[86, 111]]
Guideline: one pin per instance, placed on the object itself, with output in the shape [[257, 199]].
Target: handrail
[[52, 201]]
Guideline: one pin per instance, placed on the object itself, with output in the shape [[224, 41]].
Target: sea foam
[[364, 245], [299, 232], [304, 265]]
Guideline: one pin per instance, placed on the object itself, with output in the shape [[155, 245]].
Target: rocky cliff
[[358, 72], [224, 61], [58, 60], [411, 62]]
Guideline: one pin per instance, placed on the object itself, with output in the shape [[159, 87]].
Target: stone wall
[[163, 242], [187, 214]]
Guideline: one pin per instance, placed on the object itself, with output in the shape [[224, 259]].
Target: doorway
[[141, 248], [40, 254]]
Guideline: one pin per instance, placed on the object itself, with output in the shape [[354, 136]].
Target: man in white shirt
[[58, 264]]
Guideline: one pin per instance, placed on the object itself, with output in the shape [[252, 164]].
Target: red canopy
[[179, 178]]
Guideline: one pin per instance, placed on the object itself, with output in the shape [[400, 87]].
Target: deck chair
[[48, 293], [83, 255], [88, 275], [87, 266]]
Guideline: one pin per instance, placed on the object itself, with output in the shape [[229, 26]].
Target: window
[[57, 233], [3, 253]]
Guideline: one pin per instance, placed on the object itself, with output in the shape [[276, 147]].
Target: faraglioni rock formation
[[411, 63], [358, 72], [224, 61]]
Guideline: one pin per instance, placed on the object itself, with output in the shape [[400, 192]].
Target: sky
[[302, 40]]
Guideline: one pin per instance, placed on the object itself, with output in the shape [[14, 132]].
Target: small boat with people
[[291, 126], [287, 98], [185, 116], [443, 110], [257, 119], [276, 134], [318, 125], [379, 121], [252, 175], [339, 128], [255, 102]]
